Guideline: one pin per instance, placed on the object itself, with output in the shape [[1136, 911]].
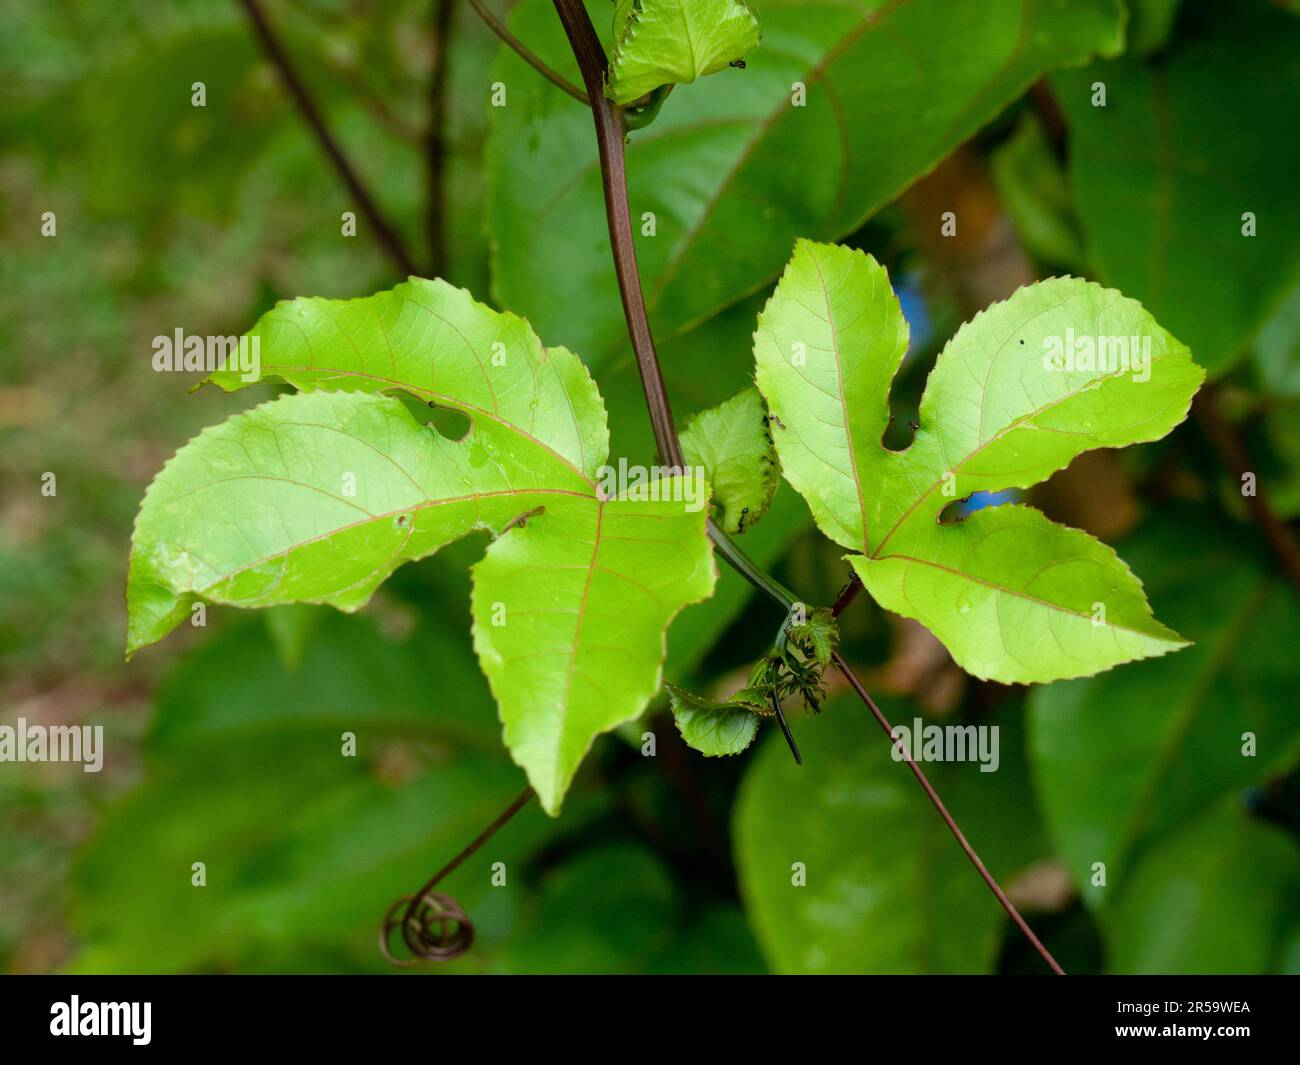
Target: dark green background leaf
[[1187, 143], [890, 89]]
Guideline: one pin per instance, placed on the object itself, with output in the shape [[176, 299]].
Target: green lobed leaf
[[734, 446], [661, 42], [570, 616], [1131, 755], [890, 90], [319, 496], [436, 342], [1165, 172], [716, 727], [1014, 597]]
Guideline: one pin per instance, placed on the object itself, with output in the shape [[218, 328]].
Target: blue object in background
[[915, 310], [984, 500]]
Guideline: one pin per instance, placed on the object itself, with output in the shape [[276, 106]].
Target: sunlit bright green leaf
[[1013, 596], [569, 622], [319, 496], [435, 342]]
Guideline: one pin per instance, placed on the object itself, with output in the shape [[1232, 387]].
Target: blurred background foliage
[[223, 745]]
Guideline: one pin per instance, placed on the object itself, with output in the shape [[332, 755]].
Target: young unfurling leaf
[[817, 636], [718, 727], [318, 497], [792, 668], [796, 663], [661, 42], [734, 446], [1061, 367]]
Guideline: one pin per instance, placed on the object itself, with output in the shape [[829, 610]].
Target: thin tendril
[[527, 55]]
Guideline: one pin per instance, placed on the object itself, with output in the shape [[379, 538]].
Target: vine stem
[[749, 569], [435, 141], [610, 133], [425, 909], [611, 130], [520, 801], [388, 240], [526, 54], [948, 819]]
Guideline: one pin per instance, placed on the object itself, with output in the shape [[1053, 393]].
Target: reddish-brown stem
[[1232, 450], [426, 914], [610, 133], [948, 820], [847, 595], [520, 801], [389, 242]]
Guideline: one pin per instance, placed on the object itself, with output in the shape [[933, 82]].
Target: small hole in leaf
[[958, 510], [954, 512], [452, 424], [900, 431]]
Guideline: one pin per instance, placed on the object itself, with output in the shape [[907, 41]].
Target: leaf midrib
[[557, 781], [844, 406], [1082, 615]]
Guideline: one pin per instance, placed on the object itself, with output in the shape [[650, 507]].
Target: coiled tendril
[[434, 926]]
